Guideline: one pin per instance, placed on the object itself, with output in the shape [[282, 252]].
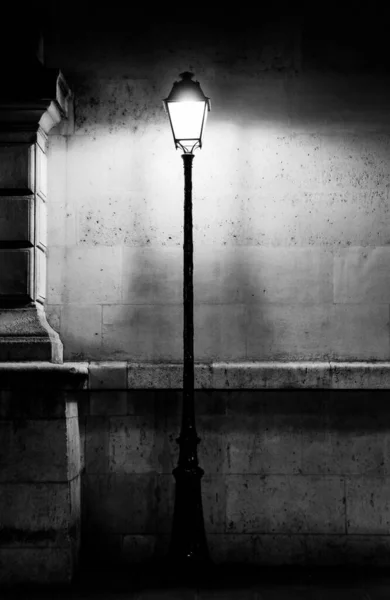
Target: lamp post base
[[188, 552]]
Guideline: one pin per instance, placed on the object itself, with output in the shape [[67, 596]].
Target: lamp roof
[[186, 89]]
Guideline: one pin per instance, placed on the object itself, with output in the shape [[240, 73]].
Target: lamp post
[[187, 108]]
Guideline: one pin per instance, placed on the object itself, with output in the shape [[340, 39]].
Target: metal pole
[[188, 543]]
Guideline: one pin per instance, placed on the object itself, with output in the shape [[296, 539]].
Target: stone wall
[[291, 215], [291, 477]]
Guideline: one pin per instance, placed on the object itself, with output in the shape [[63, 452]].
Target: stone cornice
[[217, 375], [38, 102]]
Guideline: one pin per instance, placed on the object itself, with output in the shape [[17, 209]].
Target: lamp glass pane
[[186, 118]]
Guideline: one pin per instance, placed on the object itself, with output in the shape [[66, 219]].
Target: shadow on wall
[[289, 190], [316, 459]]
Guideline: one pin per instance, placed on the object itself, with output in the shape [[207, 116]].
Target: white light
[[187, 120]]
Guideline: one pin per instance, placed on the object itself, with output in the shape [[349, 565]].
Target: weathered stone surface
[[35, 506], [343, 452], [330, 332], [96, 445], [287, 504], [152, 276], [264, 375], [15, 273], [17, 167], [76, 275], [41, 266], [43, 375], [36, 565], [135, 445], [126, 332], [108, 375], [127, 504], [255, 274], [41, 170], [73, 451], [81, 326], [361, 275], [34, 450], [359, 375], [108, 402], [16, 219], [220, 328], [356, 161], [138, 548], [368, 505], [270, 374]]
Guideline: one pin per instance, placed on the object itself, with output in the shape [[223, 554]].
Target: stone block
[[152, 275], [361, 275], [41, 160], [41, 234], [231, 548], [368, 550], [128, 504], [36, 566], [33, 405], [40, 375], [57, 168], [73, 450], [159, 376], [360, 332], [352, 332], [81, 331], [41, 264], [368, 505], [284, 504], [259, 274], [17, 167], [150, 332], [343, 452], [135, 445], [270, 375], [62, 225], [53, 316], [142, 402], [103, 549], [279, 550], [96, 445], [262, 451], [35, 507], [326, 550], [108, 402], [138, 548], [16, 273], [108, 375], [355, 161], [84, 275], [17, 219], [278, 332], [359, 376], [214, 500], [220, 330], [34, 450]]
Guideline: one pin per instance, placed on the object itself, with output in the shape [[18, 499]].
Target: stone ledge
[[47, 375], [264, 375], [218, 375]]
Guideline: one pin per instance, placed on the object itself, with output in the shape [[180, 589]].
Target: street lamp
[[187, 108]]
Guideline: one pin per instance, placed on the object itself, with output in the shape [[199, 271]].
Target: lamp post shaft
[[188, 543]]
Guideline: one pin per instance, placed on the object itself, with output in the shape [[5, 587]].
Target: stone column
[[31, 103]]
